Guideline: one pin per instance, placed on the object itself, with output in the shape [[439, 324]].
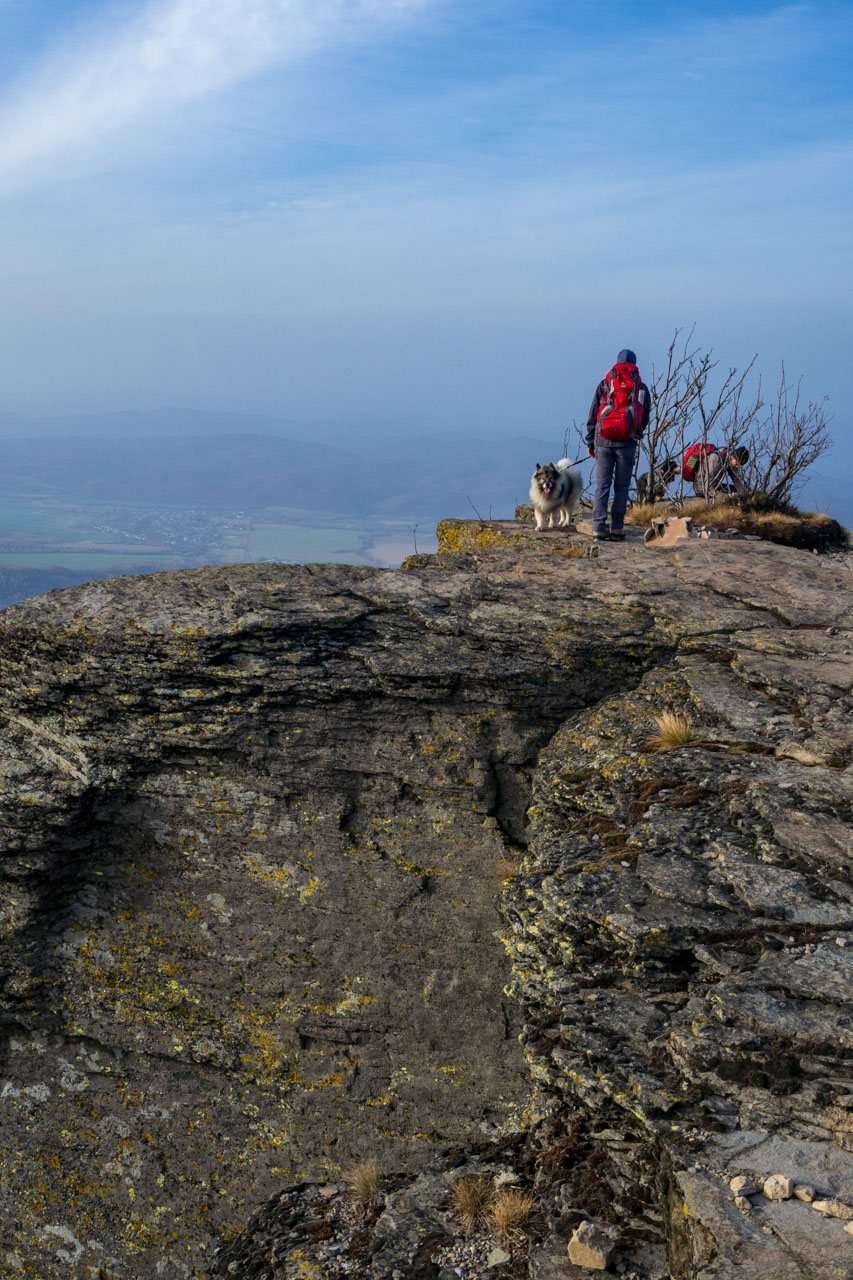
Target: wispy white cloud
[[172, 53]]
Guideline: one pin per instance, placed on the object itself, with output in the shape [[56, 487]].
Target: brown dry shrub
[[788, 525], [510, 1212], [471, 1200], [674, 730], [507, 869], [364, 1181], [645, 512]]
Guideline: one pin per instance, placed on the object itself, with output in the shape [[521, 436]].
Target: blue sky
[[416, 212]]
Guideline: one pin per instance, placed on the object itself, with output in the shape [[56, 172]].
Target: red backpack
[[620, 417], [692, 458]]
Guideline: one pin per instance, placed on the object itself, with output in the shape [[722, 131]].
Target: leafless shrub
[[784, 437], [784, 443], [685, 409]]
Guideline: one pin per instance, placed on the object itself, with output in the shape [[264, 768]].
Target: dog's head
[[546, 478]]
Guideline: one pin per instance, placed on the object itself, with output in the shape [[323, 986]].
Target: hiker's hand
[[590, 451]]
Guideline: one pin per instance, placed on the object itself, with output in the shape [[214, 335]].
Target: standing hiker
[[618, 416]]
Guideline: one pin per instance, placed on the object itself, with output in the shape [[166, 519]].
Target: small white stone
[[804, 1192], [841, 942], [743, 1204], [849, 1228], [778, 1187], [498, 1257]]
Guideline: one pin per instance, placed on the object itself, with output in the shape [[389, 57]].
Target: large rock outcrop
[[254, 821]]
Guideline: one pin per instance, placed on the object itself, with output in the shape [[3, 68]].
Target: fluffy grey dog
[[555, 490]]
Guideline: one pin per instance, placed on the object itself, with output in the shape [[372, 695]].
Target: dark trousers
[[614, 465]]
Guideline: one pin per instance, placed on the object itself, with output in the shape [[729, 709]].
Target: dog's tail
[[574, 483]]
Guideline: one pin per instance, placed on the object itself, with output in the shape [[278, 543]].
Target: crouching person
[[618, 416], [719, 471]]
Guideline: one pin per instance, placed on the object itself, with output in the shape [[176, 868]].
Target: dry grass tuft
[[674, 730], [787, 526], [507, 869], [645, 512], [364, 1181], [471, 1201], [510, 1211]]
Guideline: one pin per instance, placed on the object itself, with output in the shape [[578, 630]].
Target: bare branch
[[783, 438]]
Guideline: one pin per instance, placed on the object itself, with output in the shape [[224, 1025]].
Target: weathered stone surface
[[720, 1241], [821, 1163], [549, 1261], [253, 822], [592, 1246], [819, 1244], [833, 1209]]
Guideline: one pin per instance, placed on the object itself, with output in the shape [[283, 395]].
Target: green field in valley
[[38, 533], [303, 544], [94, 561]]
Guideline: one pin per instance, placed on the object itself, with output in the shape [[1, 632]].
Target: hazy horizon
[[416, 213], [406, 236]]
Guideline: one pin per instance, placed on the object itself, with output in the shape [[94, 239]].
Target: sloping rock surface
[[252, 827], [253, 822]]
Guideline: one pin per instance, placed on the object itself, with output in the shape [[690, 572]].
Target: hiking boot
[[617, 535], [601, 537]]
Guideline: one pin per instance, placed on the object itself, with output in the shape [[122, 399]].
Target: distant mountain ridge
[[226, 462], [422, 479]]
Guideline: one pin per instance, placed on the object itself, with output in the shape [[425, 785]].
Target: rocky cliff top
[[256, 821]]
